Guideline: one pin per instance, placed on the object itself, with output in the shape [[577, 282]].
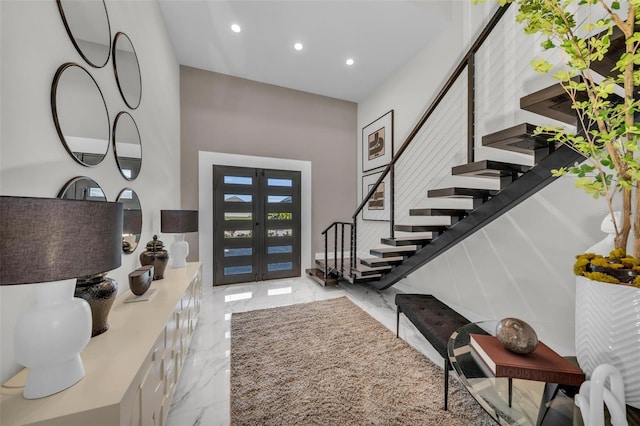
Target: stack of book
[[543, 364]]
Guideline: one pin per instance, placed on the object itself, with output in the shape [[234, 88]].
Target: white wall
[[33, 161], [521, 264]]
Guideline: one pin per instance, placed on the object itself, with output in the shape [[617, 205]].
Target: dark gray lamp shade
[[178, 221], [49, 239]]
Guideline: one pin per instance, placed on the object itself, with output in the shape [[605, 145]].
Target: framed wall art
[[378, 206], [377, 143]]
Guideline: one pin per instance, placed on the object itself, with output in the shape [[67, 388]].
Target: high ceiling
[[379, 35]]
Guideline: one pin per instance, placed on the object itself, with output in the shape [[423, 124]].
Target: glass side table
[[508, 401]]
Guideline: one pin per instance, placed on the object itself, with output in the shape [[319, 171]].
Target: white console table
[[131, 371]]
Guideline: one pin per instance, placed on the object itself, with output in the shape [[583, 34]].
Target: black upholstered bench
[[435, 320]]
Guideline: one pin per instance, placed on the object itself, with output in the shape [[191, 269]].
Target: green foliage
[[611, 141]]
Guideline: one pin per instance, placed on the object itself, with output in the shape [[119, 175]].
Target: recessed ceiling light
[[298, 46], [235, 28], [350, 61]]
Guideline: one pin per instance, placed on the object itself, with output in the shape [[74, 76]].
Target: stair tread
[[552, 102], [489, 169], [421, 228], [318, 275], [380, 261], [439, 212], [405, 249], [365, 268], [519, 138], [409, 240], [363, 279], [458, 192]]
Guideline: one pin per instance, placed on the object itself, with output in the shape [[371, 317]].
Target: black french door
[[256, 229]]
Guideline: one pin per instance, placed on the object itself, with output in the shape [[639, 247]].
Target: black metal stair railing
[[341, 251], [468, 63]]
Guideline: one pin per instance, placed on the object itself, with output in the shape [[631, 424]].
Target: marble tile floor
[[202, 396]]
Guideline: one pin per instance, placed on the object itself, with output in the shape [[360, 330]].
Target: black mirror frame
[[139, 234], [75, 43], [54, 110], [115, 150], [72, 181], [115, 69]]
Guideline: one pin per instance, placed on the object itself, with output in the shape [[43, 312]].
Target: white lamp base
[[178, 251], [49, 337]]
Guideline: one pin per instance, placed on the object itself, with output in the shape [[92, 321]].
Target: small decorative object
[[516, 336], [377, 143], [595, 393], [157, 256], [178, 222], [100, 292], [140, 279], [52, 242]]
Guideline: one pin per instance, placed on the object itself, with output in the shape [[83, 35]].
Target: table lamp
[[178, 222], [52, 242]]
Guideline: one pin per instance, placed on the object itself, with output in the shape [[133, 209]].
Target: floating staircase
[[402, 255]]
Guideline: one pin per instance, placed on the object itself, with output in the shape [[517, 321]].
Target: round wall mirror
[[87, 24], [82, 188], [80, 114], [127, 145], [132, 220], [127, 70]]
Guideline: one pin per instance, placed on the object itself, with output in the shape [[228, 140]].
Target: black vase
[[155, 255], [100, 292]]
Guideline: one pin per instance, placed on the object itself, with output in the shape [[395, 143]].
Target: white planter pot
[[608, 331]]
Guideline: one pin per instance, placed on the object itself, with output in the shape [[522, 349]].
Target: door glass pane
[[280, 266], [242, 233], [279, 182], [280, 216], [279, 232], [237, 198], [237, 270], [279, 199], [246, 251], [237, 216], [279, 249], [238, 180]]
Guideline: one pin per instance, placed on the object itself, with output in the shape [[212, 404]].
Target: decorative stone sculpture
[[516, 336]]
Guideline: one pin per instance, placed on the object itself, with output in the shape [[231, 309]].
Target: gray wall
[[225, 114], [33, 161]]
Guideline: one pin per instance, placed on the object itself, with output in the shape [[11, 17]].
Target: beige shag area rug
[[330, 363]]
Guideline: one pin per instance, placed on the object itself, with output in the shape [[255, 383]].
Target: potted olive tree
[[608, 135]]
